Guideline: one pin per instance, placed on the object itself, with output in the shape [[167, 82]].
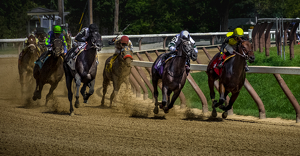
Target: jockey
[[230, 44], [81, 39], [84, 34], [174, 44], [121, 43], [52, 35]]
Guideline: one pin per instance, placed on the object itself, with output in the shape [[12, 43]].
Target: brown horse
[[26, 63], [173, 76], [117, 73], [42, 37], [232, 76], [85, 70], [51, 72]]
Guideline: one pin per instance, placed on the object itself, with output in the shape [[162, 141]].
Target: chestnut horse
[[118, 73], [26, 63], [51, 72], [85, 70], [173, 76], [232, 76]]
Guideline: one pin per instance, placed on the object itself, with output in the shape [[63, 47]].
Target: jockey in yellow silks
[[230, 44]]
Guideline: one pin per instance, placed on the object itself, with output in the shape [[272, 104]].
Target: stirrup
[[220, 65]]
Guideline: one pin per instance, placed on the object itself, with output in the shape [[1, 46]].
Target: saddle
[[159, 66], [217, 61], [40, 62], [75, 54]]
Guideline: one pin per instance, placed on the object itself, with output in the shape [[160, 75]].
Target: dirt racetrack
[[30, 128]]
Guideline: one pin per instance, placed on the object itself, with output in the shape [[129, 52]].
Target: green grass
[[275, 101], [9, 50]]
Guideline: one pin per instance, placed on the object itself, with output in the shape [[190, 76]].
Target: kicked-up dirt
[[30, 128]]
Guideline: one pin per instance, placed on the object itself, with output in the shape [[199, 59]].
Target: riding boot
[[43, 56], [246, 67], [220, 65]]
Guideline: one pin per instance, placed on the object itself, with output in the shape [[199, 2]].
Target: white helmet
[[184, 34]]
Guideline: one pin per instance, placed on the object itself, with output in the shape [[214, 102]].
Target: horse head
[[245, 49], [31, 43], [57, 47], [188, 48], [95, 40], [126, 54]]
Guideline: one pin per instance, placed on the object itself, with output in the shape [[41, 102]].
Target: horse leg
[[91, 91], [50, 94], [222, 95], [231, 101], [69, 80], [155, 94], [38, 90], [105, 84], [164, 97], [174, 97], [78, 83], [82, 90], [212, 95], [114, 93]]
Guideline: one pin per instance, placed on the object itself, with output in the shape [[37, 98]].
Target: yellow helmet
[[239, 32], [229, 34]]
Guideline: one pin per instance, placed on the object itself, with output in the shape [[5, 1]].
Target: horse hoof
[[155, 111], [85, 101], [161, 106], [34, 98], [224, 115], [214, 113], [72, 114], [166, 110], [77, 104]]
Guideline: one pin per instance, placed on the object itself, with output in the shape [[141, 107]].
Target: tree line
[[147, 16]]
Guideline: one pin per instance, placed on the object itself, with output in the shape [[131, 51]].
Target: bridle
[[244, 55]]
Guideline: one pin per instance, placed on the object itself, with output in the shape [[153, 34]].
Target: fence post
[[140, 43], [268, 39], [137, 77], [256, 98], [165, 42], [136, 85], [290, 96]]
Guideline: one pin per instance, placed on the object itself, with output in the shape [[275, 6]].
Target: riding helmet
[[239, 32], [93, 28], [124, 39], [57, 29], [184, 34]]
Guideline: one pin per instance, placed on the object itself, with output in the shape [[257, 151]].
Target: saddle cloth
[[217, 60], [108, 67], [71, 62], [159, 66]]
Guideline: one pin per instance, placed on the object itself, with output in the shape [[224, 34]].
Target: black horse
[[232, 76], [173, 76], [85, 70], [51, 72]]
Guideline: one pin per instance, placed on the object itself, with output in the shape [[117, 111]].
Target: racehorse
[[41, 37], [26, 62], [232, 76], [117, 71], [84, 70], [173, 76], [51, 72]]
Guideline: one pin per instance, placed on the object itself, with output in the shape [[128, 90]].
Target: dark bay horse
[[173, 77], [118, 73], [85, 70], [232, 76], [51, 72], [26, 63]]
